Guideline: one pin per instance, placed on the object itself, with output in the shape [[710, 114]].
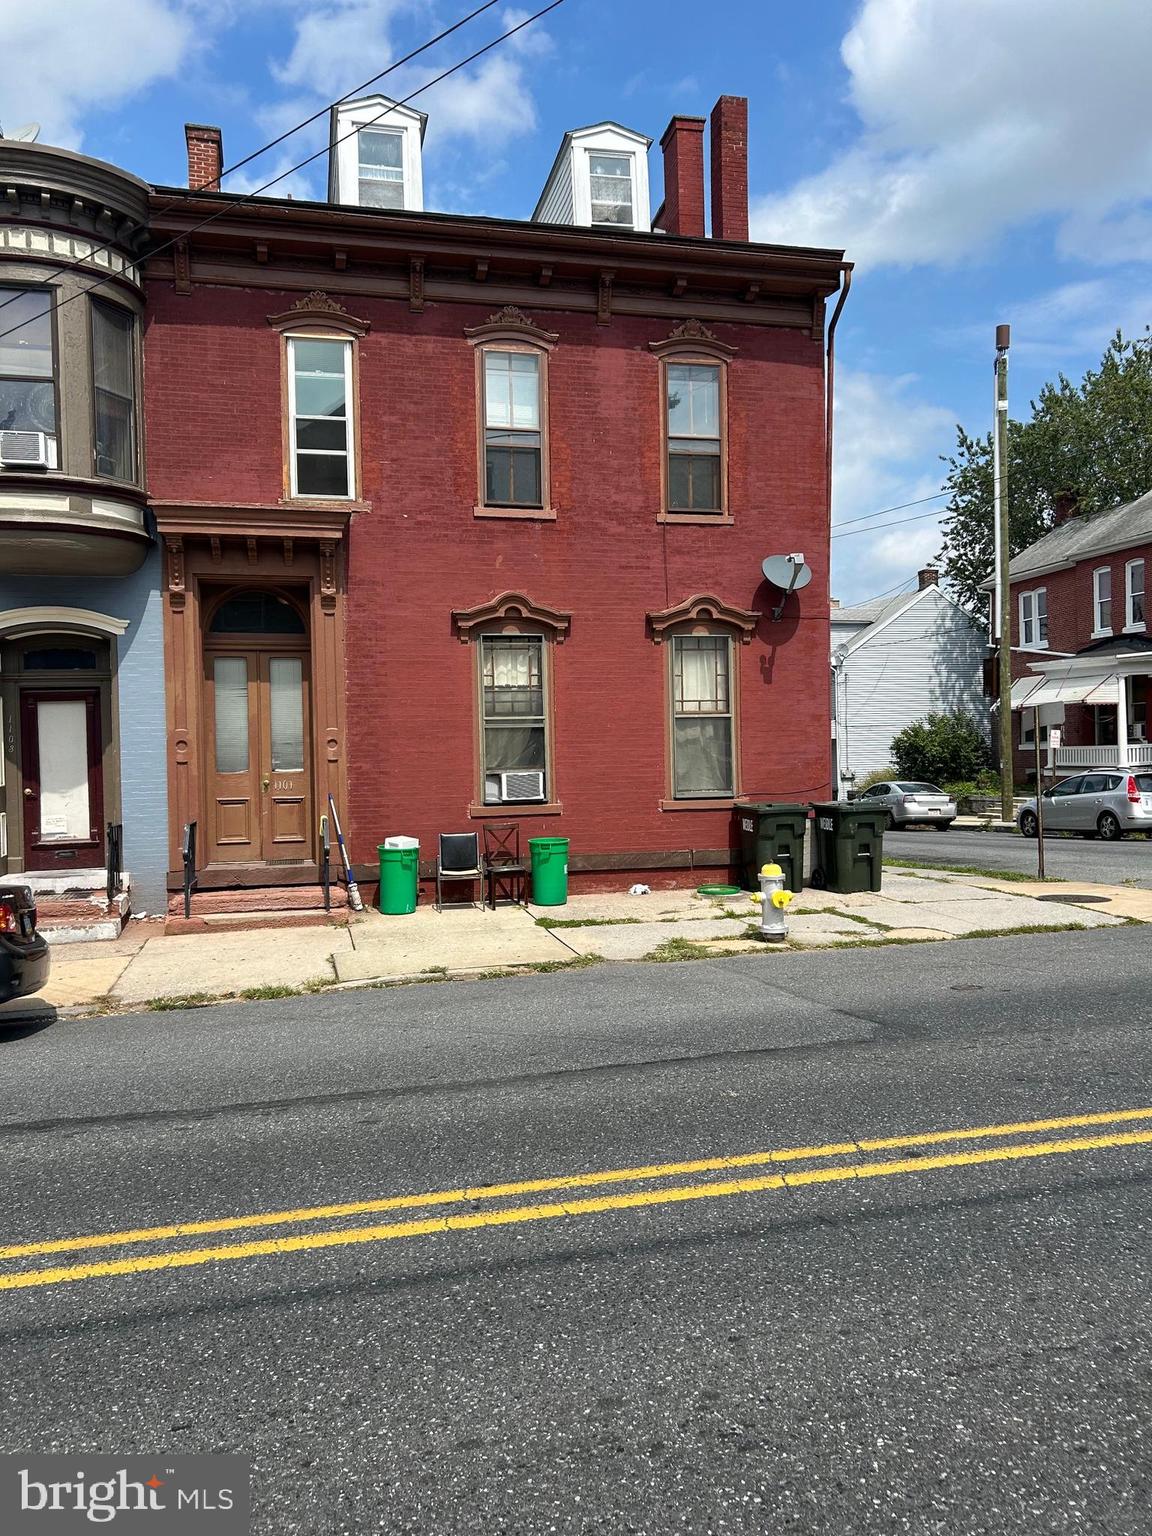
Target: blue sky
[[980, 161]]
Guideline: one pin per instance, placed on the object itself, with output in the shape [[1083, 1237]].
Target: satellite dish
[[789, 573], [26, 135]]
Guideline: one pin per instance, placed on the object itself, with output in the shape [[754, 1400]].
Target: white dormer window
[[375, 155], [599, 180], [611, 188], [381, 178]]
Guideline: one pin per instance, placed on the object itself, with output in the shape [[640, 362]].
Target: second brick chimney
[[205, 156], [730, 168], [928, 577], [683, 146], [1065, 504]]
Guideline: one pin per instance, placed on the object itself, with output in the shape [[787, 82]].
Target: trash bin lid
[[401, 842]]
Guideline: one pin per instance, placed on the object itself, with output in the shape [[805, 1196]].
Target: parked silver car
[[1108, 804], [908, 802]]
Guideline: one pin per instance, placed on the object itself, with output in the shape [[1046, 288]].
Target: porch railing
[[189, 866], [114, 858], [1139, 756]]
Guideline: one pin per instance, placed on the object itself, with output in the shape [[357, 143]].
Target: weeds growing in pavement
[[188, 1000], [967, 869]]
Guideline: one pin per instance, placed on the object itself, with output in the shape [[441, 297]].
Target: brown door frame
[[37, 854]]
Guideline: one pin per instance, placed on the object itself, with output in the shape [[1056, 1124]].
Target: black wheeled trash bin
[[848, 849], [771, 833]]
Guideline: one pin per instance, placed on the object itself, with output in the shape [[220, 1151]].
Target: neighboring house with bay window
[[1082, 649], [83, 789], [471, 526]]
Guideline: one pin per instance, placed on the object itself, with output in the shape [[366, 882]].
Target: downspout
[[829, 381]]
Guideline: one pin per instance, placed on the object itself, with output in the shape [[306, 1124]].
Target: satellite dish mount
[[789, 573]]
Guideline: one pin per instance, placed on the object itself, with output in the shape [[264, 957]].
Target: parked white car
[[1107, 805], [909, 803]]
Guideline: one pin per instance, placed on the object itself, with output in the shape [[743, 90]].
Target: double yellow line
[[1003, 1150]]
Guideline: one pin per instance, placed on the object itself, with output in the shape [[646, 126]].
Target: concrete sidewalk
[[145, 969]]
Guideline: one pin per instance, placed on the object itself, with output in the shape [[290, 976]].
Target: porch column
[[1122, 725]]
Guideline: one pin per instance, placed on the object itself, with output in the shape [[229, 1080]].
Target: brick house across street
[[463, 518], [1082, 654]]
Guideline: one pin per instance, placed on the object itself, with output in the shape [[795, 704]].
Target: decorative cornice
[[280, 521], [510, 606], [319, 308], [700, 609], [692, 335], [511, 323]]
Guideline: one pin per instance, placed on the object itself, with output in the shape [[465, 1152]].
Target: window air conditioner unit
[[28, 450], [522, 786]]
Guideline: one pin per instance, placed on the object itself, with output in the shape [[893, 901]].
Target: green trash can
[[399, 875], [549, 870], [848, 851], [771, 833]]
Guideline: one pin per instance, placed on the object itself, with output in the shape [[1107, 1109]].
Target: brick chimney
[[1065, 504], [205, 156], [683, 146], [928, 577], [730, 168]]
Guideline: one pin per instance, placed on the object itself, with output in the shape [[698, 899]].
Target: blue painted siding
[[139, 689]]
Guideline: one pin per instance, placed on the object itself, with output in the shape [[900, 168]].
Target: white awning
[[1061, 688]]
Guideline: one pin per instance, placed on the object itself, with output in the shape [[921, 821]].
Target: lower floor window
[[702, 716], [514, 721]]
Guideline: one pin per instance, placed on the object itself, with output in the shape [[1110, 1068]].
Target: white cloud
[[1065, 326], [887, 442], [976, 117], [67, 58]]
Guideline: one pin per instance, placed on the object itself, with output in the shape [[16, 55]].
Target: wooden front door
[[63, 786], [259, 776]]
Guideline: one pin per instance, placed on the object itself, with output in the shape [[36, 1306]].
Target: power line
[[287, 134], [896, 522], [247, 196], [900, 506]]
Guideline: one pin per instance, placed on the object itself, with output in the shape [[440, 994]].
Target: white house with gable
[[894, 661]]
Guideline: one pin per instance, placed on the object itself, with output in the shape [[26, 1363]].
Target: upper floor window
[[1034, 619], [1134, 595], [1102, 600], [27, 362], [381, 168], [703, 717], [114, 390], [694, 436], [320, 413], [611, 188], [513, 467]]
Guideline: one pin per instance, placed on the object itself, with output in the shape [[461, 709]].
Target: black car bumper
[[23, 967]]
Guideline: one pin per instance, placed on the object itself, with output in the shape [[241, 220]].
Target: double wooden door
[[259, 756]]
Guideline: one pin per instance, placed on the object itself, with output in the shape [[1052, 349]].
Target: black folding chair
[[458, 859], [502, 861]]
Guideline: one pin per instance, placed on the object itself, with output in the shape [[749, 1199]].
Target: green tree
[[1093, 439], [941, 748]]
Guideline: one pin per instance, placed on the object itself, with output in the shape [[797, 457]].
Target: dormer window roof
[[375, 154], [599, 180]]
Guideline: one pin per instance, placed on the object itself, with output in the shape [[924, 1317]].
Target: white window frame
[[1031, 618], [1098, 629], [1132, 624], [395, 132], [376, 112], [612, 154], [349, 420]]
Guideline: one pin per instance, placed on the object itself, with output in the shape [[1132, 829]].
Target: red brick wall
[[1070, 621], [213, 378]]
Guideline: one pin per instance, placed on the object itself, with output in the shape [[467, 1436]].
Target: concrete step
[[77, 917], [238, 922], [267, 899]]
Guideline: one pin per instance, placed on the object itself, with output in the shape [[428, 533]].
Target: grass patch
[[541, 968], [680, 949], [595, 922], [967, 869], [187, 1000], [258, 994], [1007, 933]]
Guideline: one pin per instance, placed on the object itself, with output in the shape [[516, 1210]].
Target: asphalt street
[[828, 1242], [1065, 857]]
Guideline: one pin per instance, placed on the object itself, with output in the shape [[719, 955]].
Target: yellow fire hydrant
[[774, 903]]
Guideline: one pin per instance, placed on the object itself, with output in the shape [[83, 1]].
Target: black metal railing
[[189, 866], [326, 862], [114, 858]]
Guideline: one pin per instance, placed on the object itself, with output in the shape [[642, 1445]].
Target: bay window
[[514, 719], [320, 413], [695, 480], [1134, 595], [27, 362], [1102, 600], [114, 390], [702, 725]]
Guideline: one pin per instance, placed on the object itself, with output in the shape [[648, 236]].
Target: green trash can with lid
[[770, 832], [848, 848], [549, 870], [399, 875]]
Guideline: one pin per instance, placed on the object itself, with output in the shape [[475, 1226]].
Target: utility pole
[[1003, 554]]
